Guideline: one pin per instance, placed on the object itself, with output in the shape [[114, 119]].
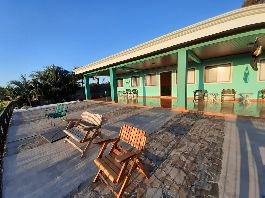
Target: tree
[[54, 83], [3, 93], [252, 2], [21, 89]]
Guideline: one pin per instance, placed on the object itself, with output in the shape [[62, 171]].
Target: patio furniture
[[199, 95], [59, 112], [134, 92], [261, 107], [245, 97], [227, 108], [118, 165], [199, 106], [212, 97], [262, 93], [127, 92], [228, 92], [83, 130]]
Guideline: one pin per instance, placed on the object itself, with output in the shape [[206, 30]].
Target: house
[[212, 55]]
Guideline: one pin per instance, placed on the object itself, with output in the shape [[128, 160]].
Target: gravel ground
[[184, 159]]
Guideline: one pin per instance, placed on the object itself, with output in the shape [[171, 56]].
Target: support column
[[182, 79], [113, 84], [87, 87], [142, 75]]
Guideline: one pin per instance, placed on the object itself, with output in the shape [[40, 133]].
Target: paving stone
[[181, 159]]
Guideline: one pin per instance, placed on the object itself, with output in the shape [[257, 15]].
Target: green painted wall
[[241, 81], [144, 90]]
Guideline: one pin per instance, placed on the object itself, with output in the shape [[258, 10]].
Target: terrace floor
[[187, 154], [237, 108]]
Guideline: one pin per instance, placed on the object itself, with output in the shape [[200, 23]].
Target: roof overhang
[[236, 21]]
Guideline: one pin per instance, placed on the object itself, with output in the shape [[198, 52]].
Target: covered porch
[[168, 79]]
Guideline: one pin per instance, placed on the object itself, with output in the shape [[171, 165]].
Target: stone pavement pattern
[[184, 159], [188, 155], [35, 168]]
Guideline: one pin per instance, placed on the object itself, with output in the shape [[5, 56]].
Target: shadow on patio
[[243, 173]]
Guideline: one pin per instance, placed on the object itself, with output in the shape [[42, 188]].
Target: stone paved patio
[[56, 169], [184, 159], [187, 155]]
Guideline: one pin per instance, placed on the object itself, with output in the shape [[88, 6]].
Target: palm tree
[[252, 2], [21, 89], [54, 83]]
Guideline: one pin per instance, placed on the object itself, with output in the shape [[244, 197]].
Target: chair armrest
[[70, 125], [106, 141], [71, 120], [126, 156], [89, 128], [104, 144]]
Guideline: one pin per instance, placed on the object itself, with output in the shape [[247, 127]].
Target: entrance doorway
[[165, 83]]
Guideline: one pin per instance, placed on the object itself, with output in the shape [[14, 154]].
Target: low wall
[[5, 117]]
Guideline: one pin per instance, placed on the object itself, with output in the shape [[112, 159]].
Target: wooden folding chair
[[83, 130], [229, 93], [199, 95], [118, 165]]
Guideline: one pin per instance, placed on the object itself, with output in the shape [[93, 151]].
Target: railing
[[5, 117]]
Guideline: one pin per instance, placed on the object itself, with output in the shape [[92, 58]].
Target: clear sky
[[69, 33]]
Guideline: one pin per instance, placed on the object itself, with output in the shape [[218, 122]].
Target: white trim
[[239, 18]]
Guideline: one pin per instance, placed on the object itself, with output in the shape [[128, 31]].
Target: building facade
[[212, 55]]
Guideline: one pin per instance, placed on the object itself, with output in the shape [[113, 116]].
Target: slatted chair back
[[262, 93], [128, 91], [133, 136], [135, 91], [63, 109], [58, 108], [94, 119], [228, 91]]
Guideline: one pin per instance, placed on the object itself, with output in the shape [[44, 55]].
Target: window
[[135, 81], [190, 76], [262, 70], [217, 73], [150, 80], [120, 82]]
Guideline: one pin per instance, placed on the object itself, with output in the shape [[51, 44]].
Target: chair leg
[[142, 168], [123, 187], [126, 180], [97, 176], [67, 137], [87, 146], [99, 134]]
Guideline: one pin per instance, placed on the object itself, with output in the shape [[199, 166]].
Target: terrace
[[187, 154], [230, 109]]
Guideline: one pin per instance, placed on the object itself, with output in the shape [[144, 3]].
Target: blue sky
[[69, 33]]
